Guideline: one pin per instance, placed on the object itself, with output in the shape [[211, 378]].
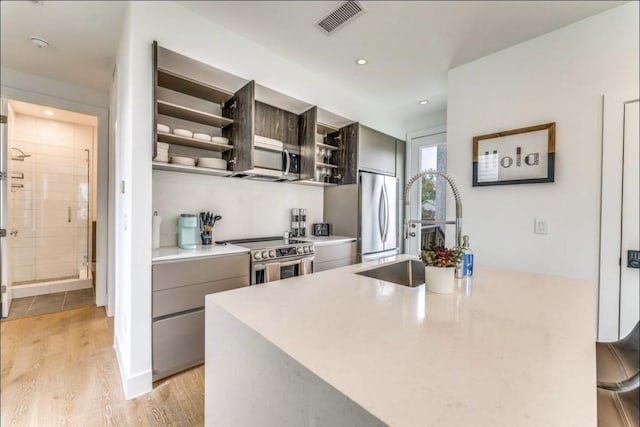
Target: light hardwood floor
[[61, 369]]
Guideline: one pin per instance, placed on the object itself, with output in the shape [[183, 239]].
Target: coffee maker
[[187, 231]]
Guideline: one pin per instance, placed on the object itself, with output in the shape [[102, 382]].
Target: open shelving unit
[[185, 97], [189, 169], [192, 115], [171, 138], [176, 82]]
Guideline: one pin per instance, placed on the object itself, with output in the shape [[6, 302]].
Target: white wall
[[133, 202], [425, 121], [558, 77], [180, 30], [248, 208], [18, 79]]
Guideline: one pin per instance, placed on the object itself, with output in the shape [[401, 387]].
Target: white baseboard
[[133, 385], [21, 291]]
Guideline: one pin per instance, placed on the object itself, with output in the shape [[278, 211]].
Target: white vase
[[440, 280]]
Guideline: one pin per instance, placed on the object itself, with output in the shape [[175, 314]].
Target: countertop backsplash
[[248, 208]]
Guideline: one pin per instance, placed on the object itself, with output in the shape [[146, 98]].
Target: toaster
[[321, 229]]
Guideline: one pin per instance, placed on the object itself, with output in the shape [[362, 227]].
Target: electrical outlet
[[541, 226]]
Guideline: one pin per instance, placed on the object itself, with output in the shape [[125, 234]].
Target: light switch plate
[[541, 226]]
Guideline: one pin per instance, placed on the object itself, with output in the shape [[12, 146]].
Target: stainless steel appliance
[[275, 258], [273, 161], [378, 215], [322, 229], [367, 210]]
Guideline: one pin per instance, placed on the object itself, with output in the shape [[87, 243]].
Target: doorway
[[619, 284], [50, 158], [428, 150]]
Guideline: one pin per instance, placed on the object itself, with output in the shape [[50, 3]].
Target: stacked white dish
[[163, 128], [212, 163], [162, 152], [185, 161], [183, 132], [220, 140], [202, 137]]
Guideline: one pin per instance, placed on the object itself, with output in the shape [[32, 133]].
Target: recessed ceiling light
[[48, 112], [423, 102], [361, 61], [39, 41]]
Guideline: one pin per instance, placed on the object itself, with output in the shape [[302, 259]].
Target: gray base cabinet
[[178, 343], [335, 255], [179, 288]]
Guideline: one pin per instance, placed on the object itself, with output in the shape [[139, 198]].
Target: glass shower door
[[51, 211], [82, 213]]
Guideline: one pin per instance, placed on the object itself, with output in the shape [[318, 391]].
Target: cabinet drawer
[[328, 265], [184, 298], [326, 253], [182, 273], [178, 343]]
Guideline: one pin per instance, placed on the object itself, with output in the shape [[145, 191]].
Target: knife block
[[206, 237]]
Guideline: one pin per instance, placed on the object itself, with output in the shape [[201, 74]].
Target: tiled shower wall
[[51, 211]]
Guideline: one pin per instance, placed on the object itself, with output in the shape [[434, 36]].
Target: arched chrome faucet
[[456, 194]]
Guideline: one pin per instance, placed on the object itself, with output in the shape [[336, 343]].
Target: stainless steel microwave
[[273, 161]]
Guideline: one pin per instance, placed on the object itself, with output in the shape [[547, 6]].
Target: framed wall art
[[518, 156]]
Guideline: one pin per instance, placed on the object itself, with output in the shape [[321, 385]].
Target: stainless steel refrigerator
[[378, 199], [368, 211]]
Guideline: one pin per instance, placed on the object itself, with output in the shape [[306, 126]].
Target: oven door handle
[[290, 263]]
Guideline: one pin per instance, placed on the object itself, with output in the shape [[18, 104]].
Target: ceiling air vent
[[340, 16]]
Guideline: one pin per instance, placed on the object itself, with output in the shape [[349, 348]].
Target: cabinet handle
[[69, 214]]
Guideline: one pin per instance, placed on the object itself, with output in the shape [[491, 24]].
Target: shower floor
[[49, 303]]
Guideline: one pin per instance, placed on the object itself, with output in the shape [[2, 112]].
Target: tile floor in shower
[[41, 304]]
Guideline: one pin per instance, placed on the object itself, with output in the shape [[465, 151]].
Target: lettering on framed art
[[518, 156]]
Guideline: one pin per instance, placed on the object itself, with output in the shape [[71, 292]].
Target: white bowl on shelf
[[183, 132], [212, 163], [220, 140], [185, 161], [163, 128], [161, 157], [202, 137]]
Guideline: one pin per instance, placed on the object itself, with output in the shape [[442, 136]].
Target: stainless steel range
[[275, 258]]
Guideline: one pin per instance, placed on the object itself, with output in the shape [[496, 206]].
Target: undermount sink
[[406, 273]]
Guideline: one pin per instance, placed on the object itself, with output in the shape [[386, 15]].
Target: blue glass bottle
[[467, 257]]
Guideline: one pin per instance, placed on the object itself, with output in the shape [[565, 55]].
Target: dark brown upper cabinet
[[192, 95], [327, 145]]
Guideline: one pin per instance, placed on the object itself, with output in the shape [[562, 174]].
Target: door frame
[[5, 278], [608, 289], [412, 163], [104, 277]]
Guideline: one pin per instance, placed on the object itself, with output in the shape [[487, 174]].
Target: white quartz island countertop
[[174, 253], [508, 348]]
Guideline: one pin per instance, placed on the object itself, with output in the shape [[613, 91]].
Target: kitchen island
[[337, 348]]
